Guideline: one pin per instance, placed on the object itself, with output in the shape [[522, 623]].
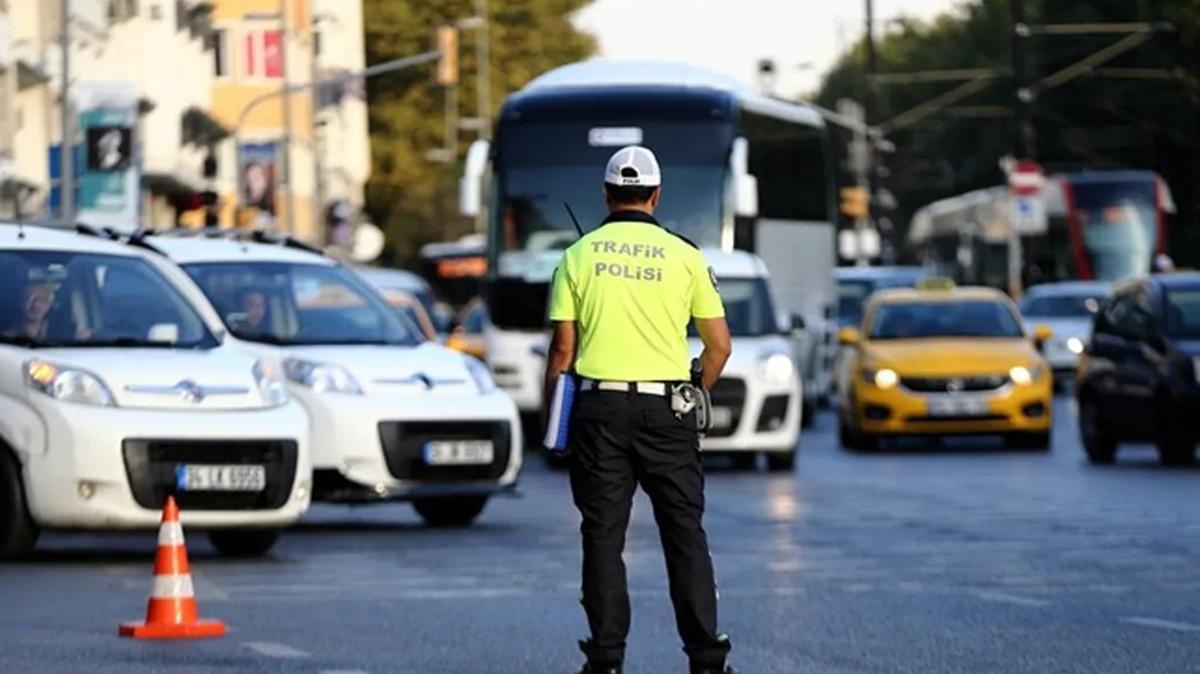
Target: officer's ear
[[654, 197]]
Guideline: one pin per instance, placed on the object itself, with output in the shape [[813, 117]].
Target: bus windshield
[[1119, 222], [543, 165]]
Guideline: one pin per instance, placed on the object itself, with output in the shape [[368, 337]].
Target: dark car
[[1139, 379]]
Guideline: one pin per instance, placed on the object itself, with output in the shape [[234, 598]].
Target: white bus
[[742, 171]]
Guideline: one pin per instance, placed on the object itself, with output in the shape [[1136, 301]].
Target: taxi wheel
[[450, 511], [780, 462], [1097, 442], [18, 533], [243, 542], [856, 441]]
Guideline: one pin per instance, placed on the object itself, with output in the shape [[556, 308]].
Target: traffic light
[[447, 65], [856, 202], [211, 208]]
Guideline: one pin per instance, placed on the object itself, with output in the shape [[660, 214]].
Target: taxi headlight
[[481, 375], [67, 384], [270, 383], [885, 378], [321, 377], [1023, 376], [776, 368], [1075, 345]]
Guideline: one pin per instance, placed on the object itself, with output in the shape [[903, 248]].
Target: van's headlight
[[67, 384], [321, 377], [270, 383], [481, 375], [1023, 376], [776, 368], [1075, 345]]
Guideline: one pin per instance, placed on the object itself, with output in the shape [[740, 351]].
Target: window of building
[[220, 50]]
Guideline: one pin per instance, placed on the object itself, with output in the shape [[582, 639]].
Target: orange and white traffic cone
[[172, 611]]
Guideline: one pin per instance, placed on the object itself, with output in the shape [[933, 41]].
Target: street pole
[[317, 149], [483, 58], [1022, 140], [66, 148], [290, 218]]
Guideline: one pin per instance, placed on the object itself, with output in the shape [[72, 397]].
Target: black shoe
[[589, 668]]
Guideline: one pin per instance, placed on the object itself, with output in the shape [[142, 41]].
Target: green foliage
[[1102, 120], [411, 197]]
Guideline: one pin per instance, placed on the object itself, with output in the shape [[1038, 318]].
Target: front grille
[[953, 384], [150, 466], [729, 393], [404, 442], [974, 417]]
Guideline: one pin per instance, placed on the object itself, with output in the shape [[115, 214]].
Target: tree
[[1110, 118], [412, 198]]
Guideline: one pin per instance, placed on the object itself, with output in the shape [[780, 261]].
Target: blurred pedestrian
[[622, 299]]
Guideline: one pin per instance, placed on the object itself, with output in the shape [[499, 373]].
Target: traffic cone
[[172, 611]]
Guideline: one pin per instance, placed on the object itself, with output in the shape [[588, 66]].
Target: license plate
[[193, 477], [957, 406], [722, 417], [459, 452]]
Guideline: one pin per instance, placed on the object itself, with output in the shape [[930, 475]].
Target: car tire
[[18, 533], [450, 511], [1038, 441], [1176, 447], [856, 441], [743, 460], [243, 542], [808, 413], [1100, 446], [781, 462]]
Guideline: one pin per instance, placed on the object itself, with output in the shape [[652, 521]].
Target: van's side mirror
[[798, 323], [1042, 334], [470, 188], [848, 337], [745, 186]]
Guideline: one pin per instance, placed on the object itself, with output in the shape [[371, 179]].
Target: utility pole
[[285, 33], [483, 62], [66, 148]]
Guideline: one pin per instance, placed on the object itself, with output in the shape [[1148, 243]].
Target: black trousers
[[617, 441]]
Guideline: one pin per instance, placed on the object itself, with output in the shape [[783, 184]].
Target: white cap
[[635, 166]]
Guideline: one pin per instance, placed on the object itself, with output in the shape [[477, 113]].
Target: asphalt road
[[917, 559]]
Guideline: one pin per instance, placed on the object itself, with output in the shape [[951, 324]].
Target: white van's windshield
[[61, 299], [300, 304]]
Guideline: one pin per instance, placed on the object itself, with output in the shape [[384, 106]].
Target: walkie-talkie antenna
[[571, 213]]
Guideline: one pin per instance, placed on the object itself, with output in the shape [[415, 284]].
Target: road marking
[[1004, 598], [275, 650], [1161, 624]]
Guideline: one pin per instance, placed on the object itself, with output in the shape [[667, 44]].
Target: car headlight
[[1023, 376], [777, 368], [321, 377], [1075, 345], [67, 384], [481, 375], [271, 384], [883, 378]]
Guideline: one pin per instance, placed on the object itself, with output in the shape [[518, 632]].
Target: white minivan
[[758, 401], [117, 389], [394, 417]]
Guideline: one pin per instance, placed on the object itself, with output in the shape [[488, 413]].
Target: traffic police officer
[[622, 298]]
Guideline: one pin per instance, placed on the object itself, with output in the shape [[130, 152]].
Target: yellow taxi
[[941, 360]]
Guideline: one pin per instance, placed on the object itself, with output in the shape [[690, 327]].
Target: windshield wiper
[[123, 342], [23, 340]]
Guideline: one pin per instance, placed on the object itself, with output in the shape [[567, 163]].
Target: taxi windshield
[[300, 304], [965, 318], [69, 299]]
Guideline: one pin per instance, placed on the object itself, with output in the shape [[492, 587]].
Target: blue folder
[[558, 416]]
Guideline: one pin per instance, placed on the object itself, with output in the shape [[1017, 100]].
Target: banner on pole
[[110, 176]]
